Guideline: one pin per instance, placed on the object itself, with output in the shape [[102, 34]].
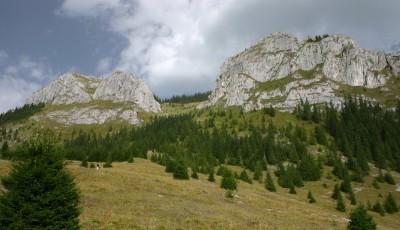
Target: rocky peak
[[125, 87], [280, 69], [96, 100]]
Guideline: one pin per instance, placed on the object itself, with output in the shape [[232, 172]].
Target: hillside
[[148, 198]]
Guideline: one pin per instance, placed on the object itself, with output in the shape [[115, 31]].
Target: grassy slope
[[142, 196]]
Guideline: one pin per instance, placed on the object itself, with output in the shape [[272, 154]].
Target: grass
[[142, 196]]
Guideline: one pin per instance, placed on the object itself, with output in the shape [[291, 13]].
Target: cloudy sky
[[176, 45]]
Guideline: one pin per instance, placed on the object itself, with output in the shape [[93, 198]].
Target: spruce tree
[[245, 177], [390, 204], [292, 189], [180, 171], [389, 178], [269, 183], [258, 172], [375, 184], [130, 158], [228, 181], [310, 197], [40, 193], [378, 207], [340, 205], [352, 197], [108, 163], [345, 186], [361, 220], [336, 192], [211, 177]]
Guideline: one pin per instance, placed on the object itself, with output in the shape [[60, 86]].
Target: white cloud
[[19, 80], [186, 41]]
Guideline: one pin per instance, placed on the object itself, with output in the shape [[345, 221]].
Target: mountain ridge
[[280, 69]]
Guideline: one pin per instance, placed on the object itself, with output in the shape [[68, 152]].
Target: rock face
[[93, 100], [280, 70]]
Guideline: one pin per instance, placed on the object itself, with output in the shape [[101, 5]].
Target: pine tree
[[180, 171], [194, 175], [378, 207], [228, 181], [84, 162], [170, 165], [40, 193], [108, 163], [340, 205], [389, 178], [336, 192], [258, 172], [361, 220], [245, 177], [4, 149], [390, 204], [211, 175], [269, 183], [375, 184], [292, 189], [131, 159], [310, 197], [352, 197]]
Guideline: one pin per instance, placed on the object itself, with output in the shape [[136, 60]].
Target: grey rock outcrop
[[124, 87], [281, 69], [94, 100]]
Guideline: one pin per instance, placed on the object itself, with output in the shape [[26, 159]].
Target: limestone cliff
[[93, 100], [281, 69]]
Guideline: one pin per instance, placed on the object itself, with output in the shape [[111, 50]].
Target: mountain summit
[[78, 99], [280, 69]]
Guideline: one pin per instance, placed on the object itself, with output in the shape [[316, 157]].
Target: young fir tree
[[194, 173], [336, 192], [269, 183], [84, 162], [340, 205], [361, 220], [130, 158], [258, 172], [375, 184], [245, 177], [108, 163], [211, 177], [228, 181], [352, 197], [390, 204], [378, 207], [310, 197], [292, 189], [170, 165], [40, 193], [180, 171], [389, 178], [345, 186]]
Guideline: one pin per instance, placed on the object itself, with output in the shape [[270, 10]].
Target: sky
[[177, 46]]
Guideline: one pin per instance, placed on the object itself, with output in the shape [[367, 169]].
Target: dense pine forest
[[20, 113], [361, 131], [197, 97]]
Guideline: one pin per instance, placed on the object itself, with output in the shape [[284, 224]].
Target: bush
[[389, 178], [229, 194], [361, 220]]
